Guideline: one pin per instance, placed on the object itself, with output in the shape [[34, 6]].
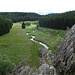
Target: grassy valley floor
[[48, 36], [17, 46]]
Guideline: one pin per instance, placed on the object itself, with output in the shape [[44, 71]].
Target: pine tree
[[23, 25]]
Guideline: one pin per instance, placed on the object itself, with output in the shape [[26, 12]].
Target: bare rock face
[[45, 69], [64, 60]]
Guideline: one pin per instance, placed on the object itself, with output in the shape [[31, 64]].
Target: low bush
[[5, 65]]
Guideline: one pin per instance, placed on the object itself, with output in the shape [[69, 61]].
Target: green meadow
[[50, 37], [17, 46]]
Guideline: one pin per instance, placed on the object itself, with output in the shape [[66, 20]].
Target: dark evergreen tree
[[37, 24], [5, 25], [23, 25]]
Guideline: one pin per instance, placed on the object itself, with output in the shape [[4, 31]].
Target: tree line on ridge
[[58, 21], [20, 16]]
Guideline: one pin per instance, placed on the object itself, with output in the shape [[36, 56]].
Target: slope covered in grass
[[16, 46]]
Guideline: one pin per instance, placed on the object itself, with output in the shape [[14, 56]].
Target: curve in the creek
[[38, 41]]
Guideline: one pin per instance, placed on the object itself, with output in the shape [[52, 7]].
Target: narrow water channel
[[45, 46]]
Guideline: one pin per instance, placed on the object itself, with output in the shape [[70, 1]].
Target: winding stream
[[44, 45]]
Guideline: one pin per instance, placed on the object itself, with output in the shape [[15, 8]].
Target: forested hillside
[[20, 16], [54, 21], [58, 21], [5, 25]]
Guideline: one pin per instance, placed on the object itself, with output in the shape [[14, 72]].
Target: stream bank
[[32, 38]]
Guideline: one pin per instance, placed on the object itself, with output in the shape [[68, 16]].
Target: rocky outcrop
[[45, 69], [64, 60], [20, 69], [45, 55]]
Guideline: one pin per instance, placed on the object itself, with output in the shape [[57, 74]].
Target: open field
[[16, 46]]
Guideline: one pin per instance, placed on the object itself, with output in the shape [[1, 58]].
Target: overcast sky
[[37, 6]]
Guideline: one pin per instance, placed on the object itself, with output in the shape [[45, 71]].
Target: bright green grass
[[17, 46]]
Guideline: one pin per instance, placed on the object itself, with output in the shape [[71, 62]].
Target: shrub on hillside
[[5, 65]]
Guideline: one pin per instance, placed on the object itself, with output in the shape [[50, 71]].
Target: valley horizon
[[41, 13]]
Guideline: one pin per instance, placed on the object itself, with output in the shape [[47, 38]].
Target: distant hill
[[54, 20], [20, 16], [58, 20]]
